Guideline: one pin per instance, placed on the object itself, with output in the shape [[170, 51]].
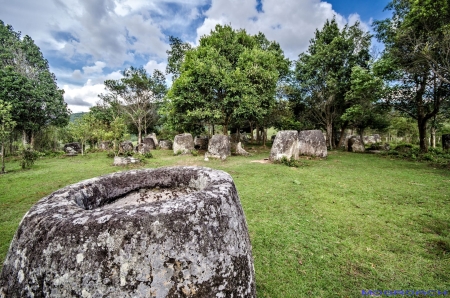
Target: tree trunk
[[422, 125], [342, 137], [139, 132], [264, 137], [330, 135], [24, 138], [361, 136], [251, 131], [433, 137], [225, 129], [2, 152], [32, 139]]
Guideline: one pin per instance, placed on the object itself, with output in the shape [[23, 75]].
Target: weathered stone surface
[[183, 143], [240, 150], [126, 146], [372, 139], [201, 143], [153, 136], [219, 147], [143, 148], [150, 142], [446, 141], [70, 147], [312, 143], [165, 144], [285, 145], [355, 144], [178, 232], [105, 145], [123, 161]]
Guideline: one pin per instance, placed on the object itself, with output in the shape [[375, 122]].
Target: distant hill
[[75, 116]]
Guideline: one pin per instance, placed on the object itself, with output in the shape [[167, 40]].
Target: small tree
[[6, 126], [116, 133]]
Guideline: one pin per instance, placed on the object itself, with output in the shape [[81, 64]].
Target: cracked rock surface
[[166, 232]]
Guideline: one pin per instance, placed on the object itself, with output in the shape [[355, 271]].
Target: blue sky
[[88, 41]]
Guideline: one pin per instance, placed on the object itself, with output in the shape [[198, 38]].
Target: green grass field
[[328, 229]]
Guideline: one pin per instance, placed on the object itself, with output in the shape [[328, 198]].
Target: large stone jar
[[166, 232]]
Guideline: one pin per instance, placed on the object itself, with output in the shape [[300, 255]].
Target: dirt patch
[[265, 160]]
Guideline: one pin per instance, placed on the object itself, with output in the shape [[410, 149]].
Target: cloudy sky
[[88, 41]]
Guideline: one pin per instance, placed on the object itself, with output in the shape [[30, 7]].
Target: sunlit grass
[[328, 229]]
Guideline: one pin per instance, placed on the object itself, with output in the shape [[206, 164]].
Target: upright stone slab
[[75, 146], [153, 137], [284, 145], [201, 143], [219, 147], [312, 143], [143, 148], [165, 232], [240, 150], [126, 146], [446, 142], [106, 145], [183, 143], [165, 144], [150, 142], [355, 144]]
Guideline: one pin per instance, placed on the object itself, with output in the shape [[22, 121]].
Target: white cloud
[[96, 68], [291, 23], [152, 65], [79, 99]]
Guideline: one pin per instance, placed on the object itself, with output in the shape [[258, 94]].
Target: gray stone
[[446, 141], [166, 232], [284, 145], [105, 145], [219, 147], [165, 144], [183, 143], [150, 142], [240, 150], [123, 161], [75, 146], [355, 144], [201, 143], [373, 139], [312, 143], [126, 146], [143, 148], [153, 136]]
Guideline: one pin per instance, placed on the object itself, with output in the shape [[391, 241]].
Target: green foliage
[[136, 95], [28, 85], [230, 77], [147, 155], [176, 54], [294, 163], [28, 157], [415, 60], [6, 127], [194, 152], [323, 73], [110, 154], [179, 152]]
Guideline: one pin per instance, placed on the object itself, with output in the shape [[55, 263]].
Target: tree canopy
[[231, 76]]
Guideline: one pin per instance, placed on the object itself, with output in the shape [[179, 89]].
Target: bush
[[147, 155], [110, 154], [29, 156], [290, 162], [179, 152], [194, 152]]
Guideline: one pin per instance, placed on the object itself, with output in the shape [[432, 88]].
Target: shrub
[[179, 152], [194, 152], [147, 155], [29, 156], [110, 154], [290, 162]]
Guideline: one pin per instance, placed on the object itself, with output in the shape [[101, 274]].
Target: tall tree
[[324, 71], [28, 85], [135, 94], [6, 127], [230, 76], [415, 40], [176, 54], [366, 108]]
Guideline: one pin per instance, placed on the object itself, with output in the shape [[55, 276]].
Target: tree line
[[235, 81]]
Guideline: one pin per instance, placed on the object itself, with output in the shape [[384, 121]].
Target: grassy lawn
[[328, 229]]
